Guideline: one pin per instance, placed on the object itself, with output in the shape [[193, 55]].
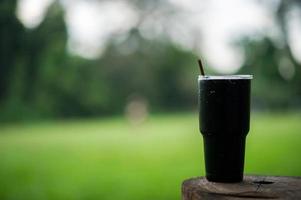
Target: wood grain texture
[[253, 187]]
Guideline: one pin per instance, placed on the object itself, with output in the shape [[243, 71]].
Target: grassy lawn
[[112, 159]]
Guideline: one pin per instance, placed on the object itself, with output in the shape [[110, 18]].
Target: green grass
[[112, 159]]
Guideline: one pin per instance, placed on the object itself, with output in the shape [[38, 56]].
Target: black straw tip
[[201, 67]]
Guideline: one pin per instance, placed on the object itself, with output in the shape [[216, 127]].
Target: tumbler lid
[[225, 77]]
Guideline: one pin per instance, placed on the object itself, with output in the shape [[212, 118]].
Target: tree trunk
[[253, 187]]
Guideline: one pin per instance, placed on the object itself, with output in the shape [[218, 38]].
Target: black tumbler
[[224, 118]]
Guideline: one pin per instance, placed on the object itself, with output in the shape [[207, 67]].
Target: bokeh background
[[98, 99]]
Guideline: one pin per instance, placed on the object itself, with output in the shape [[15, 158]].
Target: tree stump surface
[[253, 187]]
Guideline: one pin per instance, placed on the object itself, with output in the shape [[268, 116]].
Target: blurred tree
[[277, 73], [59, 84], [11, 41], [158, 70], [46, 61], [39, 78], [46, 45]]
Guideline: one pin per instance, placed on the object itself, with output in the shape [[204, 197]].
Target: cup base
[[224, 158], [224, 179]]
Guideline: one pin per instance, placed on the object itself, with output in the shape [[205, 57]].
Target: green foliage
[[160, 72], [11, 40], [40, 79], [157, 70], [277, 73], [47, 82], [277, 79], [112, 159]]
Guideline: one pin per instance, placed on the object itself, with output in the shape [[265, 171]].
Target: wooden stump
[[253, 187]]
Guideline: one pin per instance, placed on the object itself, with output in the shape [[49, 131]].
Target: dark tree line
[[40, 79], [277, 82]]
